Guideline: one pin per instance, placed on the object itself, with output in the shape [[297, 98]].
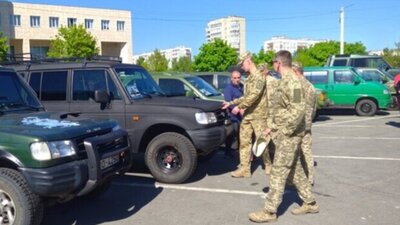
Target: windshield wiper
[[34, 107], [145, 94], [74, 114]]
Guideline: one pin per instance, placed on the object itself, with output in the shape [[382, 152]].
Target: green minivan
[[346, 88], [181, 84]]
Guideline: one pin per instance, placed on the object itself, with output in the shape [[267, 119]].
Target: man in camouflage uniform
[[286, 128], [253, 104], [310, 107]]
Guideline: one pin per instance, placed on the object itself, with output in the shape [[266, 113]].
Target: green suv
[[48, 157], [346, 88]]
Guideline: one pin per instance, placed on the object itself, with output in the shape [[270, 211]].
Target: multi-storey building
[[231, 29], [30, 27], [170, 54], [278, 43]]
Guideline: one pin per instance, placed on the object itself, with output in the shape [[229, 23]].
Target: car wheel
[[18, 204], [366, 107], [171, 158]]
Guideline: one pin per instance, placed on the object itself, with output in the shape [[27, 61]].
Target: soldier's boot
[[241, 172], [263, 216], [268, 169], [306, 208]]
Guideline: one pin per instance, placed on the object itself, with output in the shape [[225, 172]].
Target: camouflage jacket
[[287, 112], [272, 84], [310, 99], [254, 99]]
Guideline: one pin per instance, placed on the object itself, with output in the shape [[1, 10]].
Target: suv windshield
[[137, 82], [14, 95], [204, 87]]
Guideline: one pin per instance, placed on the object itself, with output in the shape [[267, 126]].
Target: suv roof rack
[[29, 58]]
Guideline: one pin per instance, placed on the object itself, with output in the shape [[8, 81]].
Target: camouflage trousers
[[248, 130], [287, 165], [306, 155]]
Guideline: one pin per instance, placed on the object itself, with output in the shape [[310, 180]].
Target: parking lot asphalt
[[357, 180]]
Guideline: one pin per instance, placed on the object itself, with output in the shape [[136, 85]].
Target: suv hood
[[48, 125], [184, 102]]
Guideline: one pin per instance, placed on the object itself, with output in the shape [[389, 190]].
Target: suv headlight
[[205, 118], [385, 91], [52, 150]]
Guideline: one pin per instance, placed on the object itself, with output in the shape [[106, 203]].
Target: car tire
[[19, 205], [366, 107], [171, 158]]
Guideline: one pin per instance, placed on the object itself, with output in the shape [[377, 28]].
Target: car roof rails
[[29, 59]]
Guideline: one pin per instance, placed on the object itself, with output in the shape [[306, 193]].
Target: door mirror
[[356, 80], [102, 97]]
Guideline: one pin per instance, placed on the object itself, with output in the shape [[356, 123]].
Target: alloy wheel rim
[[7, 209]]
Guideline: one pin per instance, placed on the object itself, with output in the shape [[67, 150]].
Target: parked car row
[[47, 157]]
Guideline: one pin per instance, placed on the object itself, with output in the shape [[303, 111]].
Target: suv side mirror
[[356, 80], [102, 97]]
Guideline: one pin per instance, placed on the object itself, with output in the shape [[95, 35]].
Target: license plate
[[107, 162]]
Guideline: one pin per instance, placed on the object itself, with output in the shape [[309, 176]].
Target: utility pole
[[341, 20]]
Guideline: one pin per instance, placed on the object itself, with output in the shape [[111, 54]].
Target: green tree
[[3, 47], [157, 62], [141, 62], [74, 41], [183, 64], [215, 56], [392, 56], [264, 56], [319, 53]]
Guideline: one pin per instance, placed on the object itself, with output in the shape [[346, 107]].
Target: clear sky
[[165, 24]]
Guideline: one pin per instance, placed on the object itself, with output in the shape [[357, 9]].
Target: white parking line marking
[[355, 126], [357, 120], [363, 138], [178, 187], [354, 157]]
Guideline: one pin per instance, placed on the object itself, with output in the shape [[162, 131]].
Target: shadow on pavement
[[119, 202], [393, 124], [216, 165], [290, 196]]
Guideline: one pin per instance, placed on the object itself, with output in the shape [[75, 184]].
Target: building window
[[71, 22], [53, 22], [15, 20], [88, 23], [120, 25], [35, 21], [105, 24], [39, 52]]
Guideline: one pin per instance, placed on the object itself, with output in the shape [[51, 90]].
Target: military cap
[[244, 56], [260, 145]]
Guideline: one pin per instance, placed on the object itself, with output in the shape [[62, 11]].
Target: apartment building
[[170, 54], [30, 27], [231, 29], [278, 43]]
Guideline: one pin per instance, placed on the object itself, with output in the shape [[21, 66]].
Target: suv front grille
[[81, 146]]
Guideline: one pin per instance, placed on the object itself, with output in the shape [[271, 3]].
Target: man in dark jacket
[[233, 91]]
